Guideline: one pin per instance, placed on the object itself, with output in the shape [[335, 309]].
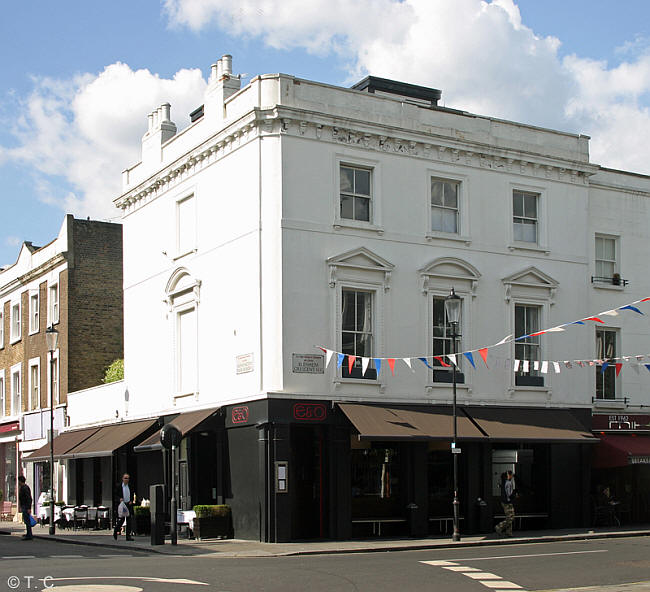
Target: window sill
[[608, 287], [447, 385], [608, 404], [34, 332], [184, 254], [528, 247], [178, 396], [433, 235], [352, 225], [535, 389], [360, 381], [15, 340]]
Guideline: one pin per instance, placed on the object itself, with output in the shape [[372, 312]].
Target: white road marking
[[65, 556], [483, 575], [489, 580], [141, 578], [450, 561], [19, 557]]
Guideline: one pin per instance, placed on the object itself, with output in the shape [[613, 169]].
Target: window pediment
[[182, 282], [360, 263], [530, 282], [463, 275]]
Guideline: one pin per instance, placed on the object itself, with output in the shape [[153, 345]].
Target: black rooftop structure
[[372, 83]]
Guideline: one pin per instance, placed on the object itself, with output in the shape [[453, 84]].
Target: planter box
[[212, 527]]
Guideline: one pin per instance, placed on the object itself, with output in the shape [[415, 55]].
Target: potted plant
[[616, 279], [142, 522], [212, 521]]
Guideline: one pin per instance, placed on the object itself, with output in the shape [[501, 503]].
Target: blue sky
[[78, 77]]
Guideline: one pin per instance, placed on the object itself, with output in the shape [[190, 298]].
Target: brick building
[[74, 284]]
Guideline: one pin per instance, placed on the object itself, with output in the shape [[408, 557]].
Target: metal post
[[52, 526], [456, 535], [173, 502]]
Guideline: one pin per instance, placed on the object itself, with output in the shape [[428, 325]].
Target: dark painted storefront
[[621, 465], [313, 469]]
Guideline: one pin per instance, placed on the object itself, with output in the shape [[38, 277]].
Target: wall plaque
[[308, 364]]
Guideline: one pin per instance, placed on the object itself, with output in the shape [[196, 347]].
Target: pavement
[[245, 548]]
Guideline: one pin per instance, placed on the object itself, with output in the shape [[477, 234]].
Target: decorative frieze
[[275, 121]]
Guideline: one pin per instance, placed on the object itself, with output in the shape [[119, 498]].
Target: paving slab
[[245, 548]]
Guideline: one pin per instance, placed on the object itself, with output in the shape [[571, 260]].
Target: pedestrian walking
[[507, 503], [124, 494], [25, 506]]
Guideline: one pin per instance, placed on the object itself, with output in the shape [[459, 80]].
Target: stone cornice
[[283, 120], [32, 274]]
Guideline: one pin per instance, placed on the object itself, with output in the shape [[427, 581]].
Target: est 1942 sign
[[308, 364]]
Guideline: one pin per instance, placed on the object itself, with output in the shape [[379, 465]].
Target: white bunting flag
[[407, 361], [504, 340], [328, 356], [556, 366], [535, 365], [544, 369], [364, 365], [610, 313], [516, 368], [555, 329], [452, 359], [526, 366]]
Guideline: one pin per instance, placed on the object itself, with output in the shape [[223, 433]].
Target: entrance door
[[309, 515]]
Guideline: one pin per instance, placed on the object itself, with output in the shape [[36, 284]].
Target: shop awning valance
[[616, 450], [435, 422], [109, 438], [63, 443], [520, 424], [185, 422], [408, 422]]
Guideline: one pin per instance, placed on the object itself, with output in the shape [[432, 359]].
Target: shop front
[[314, 469], [621, 466], [9, 460]]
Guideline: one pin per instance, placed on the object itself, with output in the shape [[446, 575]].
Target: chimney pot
[[213, 72], [150, 121], [226, 61], [166, 111]]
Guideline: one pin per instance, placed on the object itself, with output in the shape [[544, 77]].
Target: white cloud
[[86, 130], [13, 241], [479, 52]]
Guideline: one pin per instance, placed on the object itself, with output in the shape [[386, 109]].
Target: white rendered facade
[[214, 318]]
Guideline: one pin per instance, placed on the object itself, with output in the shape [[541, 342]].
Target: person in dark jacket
[[25, 506], [124, 492], [507, 502]]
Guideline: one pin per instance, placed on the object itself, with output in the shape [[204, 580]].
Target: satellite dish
[[170, 436]]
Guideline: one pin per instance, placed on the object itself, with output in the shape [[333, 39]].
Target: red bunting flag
[[536, 334], [594, 319], [618, 369], [351, 362], [439, 358], [391, 365], [484, 352]]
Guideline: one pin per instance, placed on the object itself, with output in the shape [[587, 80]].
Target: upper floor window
[[3, 398], [2, 326], [53, 303], [444, 205], [605, 350], [182, 293], [16, 398], [15, 322], [606, 261], [357, 331], [525, 216], [53, 380], [356, 193], [33, 313], [527, 346], [443, 331], [185, 225], [34, 386]]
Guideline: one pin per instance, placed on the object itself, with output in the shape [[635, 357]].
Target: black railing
[[615, 280], [624, 400]]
